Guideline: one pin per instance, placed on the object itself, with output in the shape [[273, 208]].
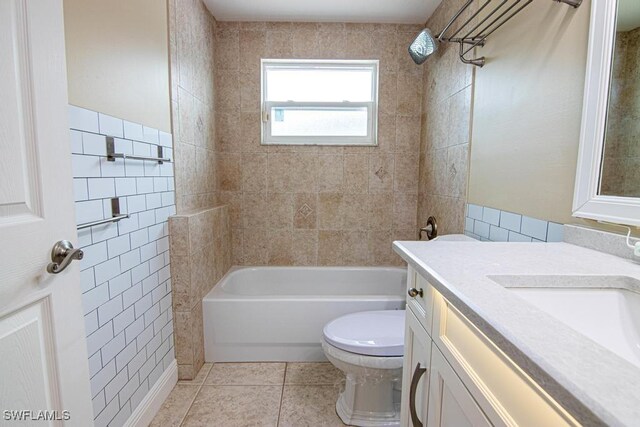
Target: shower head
[[423, 46]]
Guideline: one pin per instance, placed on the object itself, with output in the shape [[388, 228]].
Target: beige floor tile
[[313, 406], [199, 379], [246, 374], [311, 373], [175, 407], [232, 406]]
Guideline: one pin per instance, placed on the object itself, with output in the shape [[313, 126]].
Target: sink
[[606, 309]]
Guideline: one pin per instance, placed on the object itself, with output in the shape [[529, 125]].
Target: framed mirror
[[608, 172]]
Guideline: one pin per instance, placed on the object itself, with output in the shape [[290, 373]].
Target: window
[[318, 102]]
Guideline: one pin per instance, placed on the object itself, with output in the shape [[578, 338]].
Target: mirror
[[608, 172], [620, 175]]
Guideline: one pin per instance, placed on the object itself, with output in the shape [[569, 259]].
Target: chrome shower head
[[423, 46]]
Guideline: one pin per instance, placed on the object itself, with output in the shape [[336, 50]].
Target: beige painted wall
[[527, 110], [118, 58]]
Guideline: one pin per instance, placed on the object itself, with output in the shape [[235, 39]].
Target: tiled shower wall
[[125, 275], [191, 45], [306, 205], [446, 131]]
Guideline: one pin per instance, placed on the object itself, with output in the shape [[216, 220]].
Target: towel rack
[[115, 211], [470, 35], [112, 155]]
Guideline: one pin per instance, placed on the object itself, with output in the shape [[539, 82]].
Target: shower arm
[[473, 38]]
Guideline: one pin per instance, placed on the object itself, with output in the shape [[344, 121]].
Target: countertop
[[597, 386]]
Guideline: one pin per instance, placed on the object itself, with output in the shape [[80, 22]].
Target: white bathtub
[[277, 313]]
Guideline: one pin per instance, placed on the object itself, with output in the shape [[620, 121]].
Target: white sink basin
[[608, 316]]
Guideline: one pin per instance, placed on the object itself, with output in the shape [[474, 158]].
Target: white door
[[42, 344], [450, 403]]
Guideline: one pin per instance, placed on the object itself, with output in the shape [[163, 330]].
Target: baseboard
[[150, 405]]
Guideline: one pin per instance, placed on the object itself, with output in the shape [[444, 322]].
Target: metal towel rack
[[112, 155], [470, 34], [115, 211]]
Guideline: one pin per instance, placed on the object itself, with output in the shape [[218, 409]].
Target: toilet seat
[[368, 333]]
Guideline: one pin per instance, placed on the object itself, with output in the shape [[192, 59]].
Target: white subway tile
[[103, 232], [101, 188], [139, 272], [138, 360], [93, 255], [160, 184], [510, 221], [128, 225], [119, 284], [165, 139], [497, 234], [87, 280], [164, 274], [98, 403], [94, 144], [490, 215], [115, 385], [139, 238], [165, 302], [474, 211], [136, 204], [75, 140], [162, 244], [154, 342], [112, 348], [125, 186], [123, 146], [555, 233], [517, 237], [84, 238], [156, 231], [82, 119], [111, 169], [109, 310], [91, 322], [146, 185], [95, 364], [133, 131], [80, 189], [150, 283], [145, 336], [140, 393], [133, 294], [107, 414], [535, 228], [166, 169], [149, 316], [163, 214], [107, 270], [99, 338], [88, 211], [128, 353], [102, 378], [122, 320], [134, 168], [148, 251], [171, 185], [122, 416], [151, 169], [118, 246], [481, 229], [152, 136], [154, 200], [156, 263], [168, 198], [85, 166], [110, 125], [468, 224], [142, 149], [129, 260], [146, 219]]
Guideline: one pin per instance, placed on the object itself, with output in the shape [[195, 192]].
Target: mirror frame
[[587, 203]]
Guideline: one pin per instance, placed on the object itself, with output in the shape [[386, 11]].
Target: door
[[42, 343], [415, 379], [450, 403]]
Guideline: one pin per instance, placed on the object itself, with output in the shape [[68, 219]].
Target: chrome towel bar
[[115, 212], [112, 155]]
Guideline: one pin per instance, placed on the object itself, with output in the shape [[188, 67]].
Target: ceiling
[[369, 11]]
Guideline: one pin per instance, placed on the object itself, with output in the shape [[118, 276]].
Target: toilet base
[[370, 404]]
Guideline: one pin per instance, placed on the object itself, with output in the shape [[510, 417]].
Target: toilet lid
[[371, 333]]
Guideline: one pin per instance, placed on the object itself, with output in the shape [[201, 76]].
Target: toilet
[[368, 347]]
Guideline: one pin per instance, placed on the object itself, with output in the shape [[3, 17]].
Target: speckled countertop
[[597, 386]]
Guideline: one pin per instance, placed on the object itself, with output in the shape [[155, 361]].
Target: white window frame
[[371, 139]]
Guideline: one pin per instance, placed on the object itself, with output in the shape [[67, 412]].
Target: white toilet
[[368, 347]]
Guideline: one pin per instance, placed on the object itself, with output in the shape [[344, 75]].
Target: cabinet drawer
[[508, 396], [422, 304]]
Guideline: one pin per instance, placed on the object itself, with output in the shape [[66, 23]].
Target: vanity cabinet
[[454, 375]]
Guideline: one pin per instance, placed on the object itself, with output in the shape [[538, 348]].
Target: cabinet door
[[415, 378], [450, 403]]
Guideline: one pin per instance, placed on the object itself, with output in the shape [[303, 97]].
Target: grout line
[[284, 379], [195, 396]]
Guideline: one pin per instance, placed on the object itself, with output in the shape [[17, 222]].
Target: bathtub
[[277, 313]]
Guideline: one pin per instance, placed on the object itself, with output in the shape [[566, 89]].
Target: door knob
[[61, 256]]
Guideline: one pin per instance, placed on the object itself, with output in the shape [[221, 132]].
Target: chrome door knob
[[62, 254], [413, 292]]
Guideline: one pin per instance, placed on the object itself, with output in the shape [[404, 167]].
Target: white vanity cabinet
[[455, 376]]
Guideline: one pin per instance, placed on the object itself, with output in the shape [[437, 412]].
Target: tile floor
[[255, 394]]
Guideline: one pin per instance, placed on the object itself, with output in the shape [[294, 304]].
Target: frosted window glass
[[315, 121], [323, 85]]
